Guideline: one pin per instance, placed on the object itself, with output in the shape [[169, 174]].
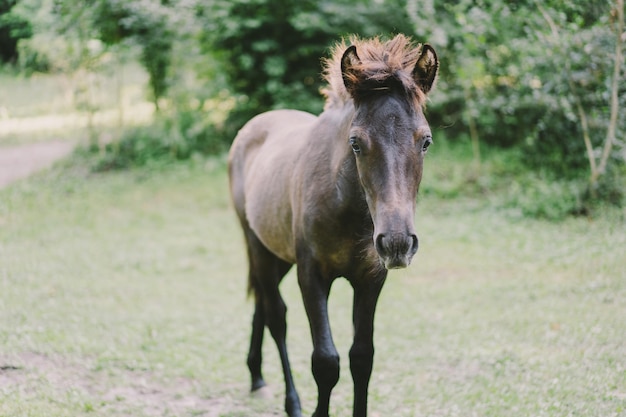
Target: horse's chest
[[341, 248], [340, 253]]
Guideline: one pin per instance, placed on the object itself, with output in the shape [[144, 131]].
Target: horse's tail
[[236, 175], [253, 285]]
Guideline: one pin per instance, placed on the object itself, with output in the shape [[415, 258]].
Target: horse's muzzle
[[396, 250]]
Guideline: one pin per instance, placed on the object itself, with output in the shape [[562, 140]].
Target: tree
[[271, 49], [13, 27], [595, 82], [149, 24]]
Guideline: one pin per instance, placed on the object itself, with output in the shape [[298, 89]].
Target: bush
[[177, 137], [610, 189], [33, 56], [534, 196], [503, 181]]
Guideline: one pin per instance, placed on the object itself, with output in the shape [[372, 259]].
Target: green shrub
[[610, 189], [503, 181], [172, 138], [534, 196], [540, 196]]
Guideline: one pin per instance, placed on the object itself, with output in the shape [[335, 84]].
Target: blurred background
[[529, 100]]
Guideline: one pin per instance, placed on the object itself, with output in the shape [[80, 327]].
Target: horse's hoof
[[263, 393], [292, 406]]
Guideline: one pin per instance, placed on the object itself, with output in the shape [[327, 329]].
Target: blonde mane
[[380, 60]]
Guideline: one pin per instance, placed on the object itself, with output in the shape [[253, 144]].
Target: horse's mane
[[380, 61]]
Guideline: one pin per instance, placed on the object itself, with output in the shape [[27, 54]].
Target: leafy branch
[[597, 168]]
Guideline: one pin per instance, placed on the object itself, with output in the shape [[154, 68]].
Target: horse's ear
[[349, 72], [426, 68]]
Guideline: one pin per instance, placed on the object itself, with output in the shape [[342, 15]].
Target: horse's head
[[389, 137]]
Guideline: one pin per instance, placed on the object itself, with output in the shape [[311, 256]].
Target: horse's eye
[[355, 145], [428, 140]]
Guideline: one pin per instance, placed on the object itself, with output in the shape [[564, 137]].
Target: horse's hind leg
[[266, 272], [256, 341]]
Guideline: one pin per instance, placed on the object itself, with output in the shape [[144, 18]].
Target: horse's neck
[[339, 129]]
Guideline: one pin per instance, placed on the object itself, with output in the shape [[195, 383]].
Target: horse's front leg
[[366, 294], [325, 359]]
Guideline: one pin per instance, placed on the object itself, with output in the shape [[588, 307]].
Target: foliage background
[[513, 76]]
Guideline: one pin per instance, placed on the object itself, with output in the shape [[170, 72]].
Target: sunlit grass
[[42, 107], [58, 93], [109, 281], [59, 125]]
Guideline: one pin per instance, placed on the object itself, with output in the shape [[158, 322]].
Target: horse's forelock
[[379, 61]]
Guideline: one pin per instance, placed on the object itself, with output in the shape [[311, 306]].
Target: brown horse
[[334, 194]]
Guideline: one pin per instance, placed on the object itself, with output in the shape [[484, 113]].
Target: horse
[[336, 195]]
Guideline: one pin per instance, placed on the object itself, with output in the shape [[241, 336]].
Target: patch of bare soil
[[113, 391], [20, 161]]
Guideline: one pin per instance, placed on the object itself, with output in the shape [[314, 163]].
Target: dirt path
[[116, 391], [20, 161]]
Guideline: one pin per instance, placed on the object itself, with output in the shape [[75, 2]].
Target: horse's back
[[262, 160]]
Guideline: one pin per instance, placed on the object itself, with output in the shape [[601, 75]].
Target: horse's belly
[[270, 220], [262, 161]]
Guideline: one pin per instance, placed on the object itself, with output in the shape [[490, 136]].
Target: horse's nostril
[[380, 248], [396, 245], [415, 244]]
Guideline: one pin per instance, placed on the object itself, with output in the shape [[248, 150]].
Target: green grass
[[124, 294]]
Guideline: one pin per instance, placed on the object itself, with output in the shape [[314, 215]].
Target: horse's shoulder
[[272, 126]]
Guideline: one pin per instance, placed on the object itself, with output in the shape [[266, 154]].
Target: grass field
[[123, 294]]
